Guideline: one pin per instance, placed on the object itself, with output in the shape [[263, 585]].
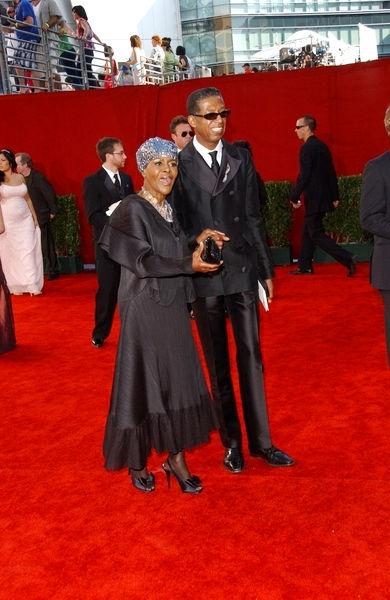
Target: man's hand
[[218, 236], [336, 203], [270, 286], [296, 204]]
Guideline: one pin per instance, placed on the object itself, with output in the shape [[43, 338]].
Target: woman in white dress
[[137, 60], [20, 244]]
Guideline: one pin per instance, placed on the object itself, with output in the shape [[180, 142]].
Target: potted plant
[[277, 215], [66, 232], [343, 224]]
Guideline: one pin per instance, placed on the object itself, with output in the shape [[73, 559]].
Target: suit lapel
[[200, 173]]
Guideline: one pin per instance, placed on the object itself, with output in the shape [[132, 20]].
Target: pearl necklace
[[164, 209]]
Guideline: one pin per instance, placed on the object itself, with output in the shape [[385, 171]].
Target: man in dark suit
[[216, 196], [317, 179], [375, 217], [101, 190], [44, 198]]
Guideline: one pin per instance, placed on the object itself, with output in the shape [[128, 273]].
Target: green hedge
[[66, 226], [343, 224], [277, 213]]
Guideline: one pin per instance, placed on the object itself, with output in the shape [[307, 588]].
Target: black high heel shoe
[[143, 484], [192, 485]]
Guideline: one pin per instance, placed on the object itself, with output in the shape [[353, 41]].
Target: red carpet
[[317, 531]]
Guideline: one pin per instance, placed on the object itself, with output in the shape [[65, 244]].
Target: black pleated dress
[[159, 396]]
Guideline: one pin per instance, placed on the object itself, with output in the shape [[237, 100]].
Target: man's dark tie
[[118, 185], [214, 163]]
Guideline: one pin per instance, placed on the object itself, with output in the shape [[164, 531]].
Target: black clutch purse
[[211, 253]]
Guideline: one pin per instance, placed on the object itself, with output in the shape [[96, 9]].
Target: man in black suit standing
[[101, 190], [44, 198], [375, 217], [216, 196], [317, 179]]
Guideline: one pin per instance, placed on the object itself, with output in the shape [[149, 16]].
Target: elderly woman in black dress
[[159, 397]]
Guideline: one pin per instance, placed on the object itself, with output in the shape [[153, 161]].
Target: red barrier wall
[[60, 130]]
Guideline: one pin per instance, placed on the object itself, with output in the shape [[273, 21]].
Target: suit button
[[243, 269], [236, 219], [231, 192]]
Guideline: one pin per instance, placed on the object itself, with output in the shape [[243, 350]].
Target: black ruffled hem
[[170, 432]]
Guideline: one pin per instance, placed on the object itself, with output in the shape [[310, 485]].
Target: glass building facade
[[223, 35]]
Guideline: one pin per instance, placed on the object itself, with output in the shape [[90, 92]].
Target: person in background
[[67, 56], [85, 33], [375, 217], [159, 396], [25, 57], [247, 68], [20, 244], [171, 63], [157, 54], [186, 65], [101, 190], [136, 60], [110, 75], [215, 196], [317, 180], [181, 131], [44, 199], [7, 328]]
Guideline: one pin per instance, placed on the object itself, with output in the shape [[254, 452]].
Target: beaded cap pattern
[[153, 148]]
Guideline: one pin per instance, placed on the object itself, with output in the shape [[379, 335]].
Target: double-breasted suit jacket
[[375, 216], [99, 193], [229, 204]]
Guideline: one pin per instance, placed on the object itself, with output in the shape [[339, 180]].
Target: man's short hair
[[309, 121], [106, 146], [25, 159], [198, 95], [179, 120]]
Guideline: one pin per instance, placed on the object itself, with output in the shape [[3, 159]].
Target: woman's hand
[[218, 236], [199, 265]]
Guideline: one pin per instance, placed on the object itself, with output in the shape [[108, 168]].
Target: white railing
[[65, 64]]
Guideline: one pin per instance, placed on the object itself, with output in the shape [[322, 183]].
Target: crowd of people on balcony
[[40, 51]]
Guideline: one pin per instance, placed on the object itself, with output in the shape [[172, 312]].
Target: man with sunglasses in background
[[215, 195], [317, 180], [181, 132]]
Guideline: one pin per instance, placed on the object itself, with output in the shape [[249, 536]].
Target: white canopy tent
[[342, 52]]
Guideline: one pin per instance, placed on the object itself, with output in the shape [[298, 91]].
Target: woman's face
[[4, 163], [75, 15], [159, 176]]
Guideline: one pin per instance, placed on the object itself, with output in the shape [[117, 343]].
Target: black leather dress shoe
[[352, 266], [97, 342], [302, 272], [233, 460], [273, 456], [53, 276]]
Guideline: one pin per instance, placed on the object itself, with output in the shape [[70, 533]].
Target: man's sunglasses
[[213, 116], [184, 133]]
